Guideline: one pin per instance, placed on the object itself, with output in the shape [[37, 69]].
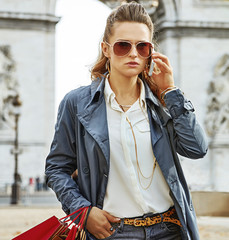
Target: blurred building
[[27, 58], [194, 35]]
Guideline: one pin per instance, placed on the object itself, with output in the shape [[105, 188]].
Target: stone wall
[[27, 29], [194, 35]]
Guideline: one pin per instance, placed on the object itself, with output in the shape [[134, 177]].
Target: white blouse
[[125, 196]]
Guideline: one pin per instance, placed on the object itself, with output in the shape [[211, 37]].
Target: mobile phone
[[152, 63], [151, 68]]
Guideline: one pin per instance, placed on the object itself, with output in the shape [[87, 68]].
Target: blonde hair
[[129, 12]]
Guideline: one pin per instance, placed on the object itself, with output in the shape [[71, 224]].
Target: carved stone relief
[[8, 87], [217, 117]]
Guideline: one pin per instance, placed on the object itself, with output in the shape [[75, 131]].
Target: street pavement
[[17, 219]]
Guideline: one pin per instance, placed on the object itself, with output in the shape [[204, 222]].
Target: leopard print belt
[[168, 216]]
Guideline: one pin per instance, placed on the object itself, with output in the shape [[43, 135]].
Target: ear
[[105, 49]]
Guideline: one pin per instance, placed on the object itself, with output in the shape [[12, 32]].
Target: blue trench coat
[[81, 141]]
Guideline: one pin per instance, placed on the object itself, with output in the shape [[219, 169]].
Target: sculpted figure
[[8, 87], [217, 118]]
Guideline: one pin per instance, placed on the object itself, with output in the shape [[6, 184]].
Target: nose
[[133, 51]]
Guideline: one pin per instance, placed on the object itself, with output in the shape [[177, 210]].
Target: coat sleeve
[[189, 138], [62, 160]]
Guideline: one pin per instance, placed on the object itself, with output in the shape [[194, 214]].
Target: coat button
[[83, 132], [86, 170]]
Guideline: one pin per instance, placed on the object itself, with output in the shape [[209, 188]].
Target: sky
[[78, 35]]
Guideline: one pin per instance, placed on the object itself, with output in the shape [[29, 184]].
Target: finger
[[103, 233], [111, 218], [100, 236], [106, 233], [163, 66], [97, 222], [111, 229], [162, 57]]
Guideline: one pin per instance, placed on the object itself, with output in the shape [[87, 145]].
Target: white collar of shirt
[[110, 95]]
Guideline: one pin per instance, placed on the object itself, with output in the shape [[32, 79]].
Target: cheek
[[114, 60], [143, 63]]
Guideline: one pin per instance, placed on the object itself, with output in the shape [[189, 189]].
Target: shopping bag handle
[[81, 211]]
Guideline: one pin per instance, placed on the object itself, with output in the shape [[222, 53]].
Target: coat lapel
[[155, 124], [94, 118], [158, 117]]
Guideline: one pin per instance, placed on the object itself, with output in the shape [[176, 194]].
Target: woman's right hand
[[98, 223]]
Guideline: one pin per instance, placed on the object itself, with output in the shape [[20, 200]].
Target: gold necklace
[[122, 105], [138, 166], [135, 145], [125, 106]]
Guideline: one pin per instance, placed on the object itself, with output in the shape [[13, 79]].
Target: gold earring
[[108, 66], [145, 74]]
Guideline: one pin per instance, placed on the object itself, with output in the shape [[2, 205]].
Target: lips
[[132, 64]]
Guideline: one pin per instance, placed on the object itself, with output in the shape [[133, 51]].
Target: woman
[[115, 144]]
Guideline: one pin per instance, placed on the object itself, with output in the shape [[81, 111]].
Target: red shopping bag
[[42, 231], [58, 229], [72, 233]]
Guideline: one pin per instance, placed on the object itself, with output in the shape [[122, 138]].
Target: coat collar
[[150, 96], [97, 92], [153, 103], [97, 89]]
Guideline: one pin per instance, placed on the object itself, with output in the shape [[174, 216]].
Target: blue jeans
[[160, 231]]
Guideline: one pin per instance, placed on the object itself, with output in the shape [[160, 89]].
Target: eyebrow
[[125, 40]]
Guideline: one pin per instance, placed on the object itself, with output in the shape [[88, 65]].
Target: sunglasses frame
[[135, 44]]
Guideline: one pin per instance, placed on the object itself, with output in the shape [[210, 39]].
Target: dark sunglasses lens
[[121, 48], [144, 49]]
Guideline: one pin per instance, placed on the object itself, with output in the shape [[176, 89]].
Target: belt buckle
[[140, 223]]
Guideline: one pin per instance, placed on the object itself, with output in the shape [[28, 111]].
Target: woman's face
[[132, 64]]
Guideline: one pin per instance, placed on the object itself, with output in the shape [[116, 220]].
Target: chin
[[132, 73]]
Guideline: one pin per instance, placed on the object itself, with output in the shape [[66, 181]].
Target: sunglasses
[[122, 48]]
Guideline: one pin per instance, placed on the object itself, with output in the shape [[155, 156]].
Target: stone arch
[[166, 9]]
